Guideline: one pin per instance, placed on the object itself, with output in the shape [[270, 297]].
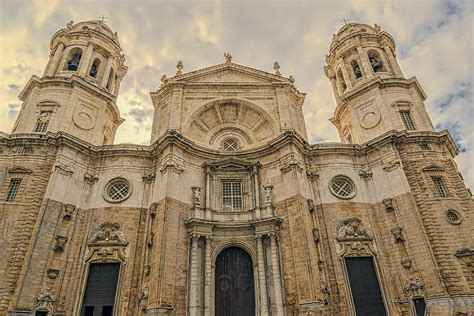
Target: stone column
[[261, 277], [85, 60], [369, 74], [345, 74], [393, 61], [105, 74], [117, 86], [276, 276], [256, 184], [193, 276], [283, 106], [53, 65], [208, 278]]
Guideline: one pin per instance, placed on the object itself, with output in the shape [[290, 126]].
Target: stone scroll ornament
[[353, 238], [108, 243]]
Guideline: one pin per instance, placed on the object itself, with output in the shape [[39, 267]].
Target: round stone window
[[230, 144], [342, 187], [453, 217], [117, 190]]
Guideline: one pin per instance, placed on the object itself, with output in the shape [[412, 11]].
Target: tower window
[[425, 146], [340, 79], [94, 68], [407, 120], [356, 69], [232, 195], [13, 189], [74, 59], [42, 122], [375, 61], [440, 189]]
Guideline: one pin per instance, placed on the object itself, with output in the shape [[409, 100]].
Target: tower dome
[[79, 86], [371, 91]]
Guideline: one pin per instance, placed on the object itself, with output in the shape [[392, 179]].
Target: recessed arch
[[234, 243], [230, 117]]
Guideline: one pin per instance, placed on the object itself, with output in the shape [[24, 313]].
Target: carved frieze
[[108, 233], [351, 229], [414, 288], [44, 300]]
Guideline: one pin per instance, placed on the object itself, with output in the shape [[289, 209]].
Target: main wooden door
[[234, 286]]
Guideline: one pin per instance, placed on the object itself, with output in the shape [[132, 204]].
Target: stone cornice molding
[[378, 83], [174, 138], [67, 81]]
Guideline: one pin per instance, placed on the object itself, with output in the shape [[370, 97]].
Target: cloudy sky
[[434, 42]]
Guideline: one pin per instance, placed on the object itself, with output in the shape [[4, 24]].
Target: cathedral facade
[[230, 210]]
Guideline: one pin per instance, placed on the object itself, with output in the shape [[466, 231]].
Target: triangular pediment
[[231, 163], [229, 73]]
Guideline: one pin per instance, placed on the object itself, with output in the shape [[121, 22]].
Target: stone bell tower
[[372, 94], [79, 86]]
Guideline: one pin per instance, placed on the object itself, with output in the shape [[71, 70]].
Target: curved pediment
[[246, 123]]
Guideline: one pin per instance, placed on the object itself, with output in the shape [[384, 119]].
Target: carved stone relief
[[44, 300], [414, 288], [60, 243]]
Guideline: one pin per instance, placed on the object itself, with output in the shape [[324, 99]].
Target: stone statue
[[143, 298], [268, 194], [196, 196], [228, 57], [276, 66], [180, 68], [69, 25]]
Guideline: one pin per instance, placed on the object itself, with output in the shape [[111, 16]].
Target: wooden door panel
[[234, 284]]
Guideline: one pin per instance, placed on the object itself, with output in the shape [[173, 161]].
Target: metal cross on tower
[[345, 21], [102, 18]]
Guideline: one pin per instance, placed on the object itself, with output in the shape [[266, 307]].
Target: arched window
[[74, 58], [340, 79], [375, 61], [110, 81], [94, 68], [356, 69]]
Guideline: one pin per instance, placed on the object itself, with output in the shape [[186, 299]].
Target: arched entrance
[[234, 284]]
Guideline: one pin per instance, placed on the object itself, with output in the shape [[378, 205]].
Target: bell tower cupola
[[79, 86], [372, 94]]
